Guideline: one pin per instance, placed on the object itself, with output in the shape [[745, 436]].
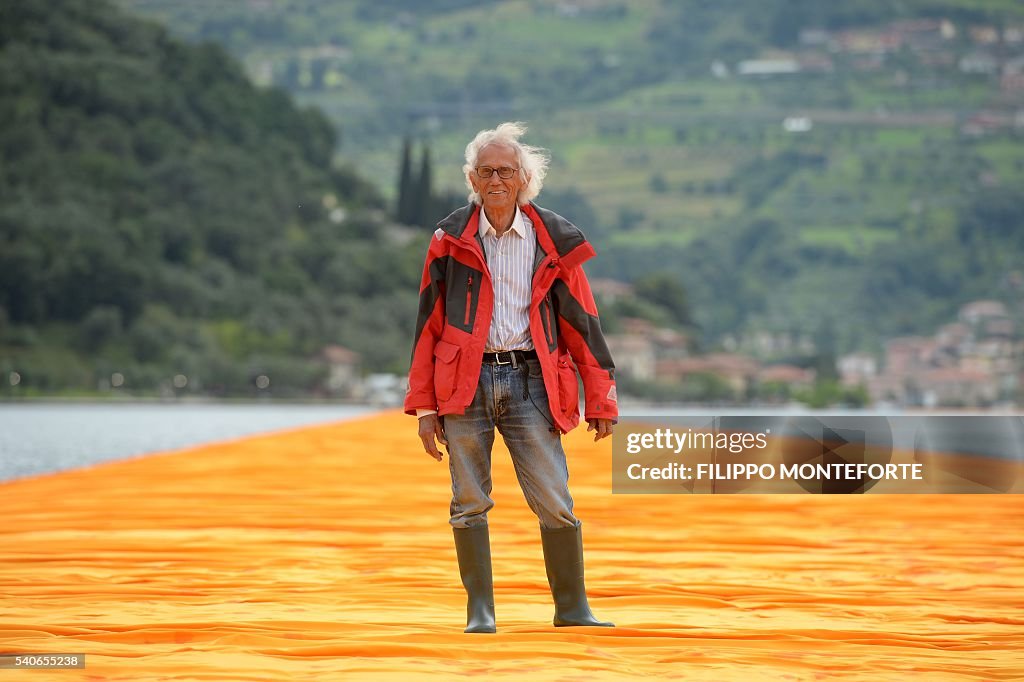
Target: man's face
[[496, 192]]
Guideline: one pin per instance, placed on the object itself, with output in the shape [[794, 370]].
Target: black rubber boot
[[473, 547], [563, 557]]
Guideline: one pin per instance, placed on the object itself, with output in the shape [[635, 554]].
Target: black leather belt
[[509, 357]]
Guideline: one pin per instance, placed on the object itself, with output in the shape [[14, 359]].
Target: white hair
[[533, 161]]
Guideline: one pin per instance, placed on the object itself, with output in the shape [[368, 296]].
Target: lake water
[[39, 438], [43, 437]]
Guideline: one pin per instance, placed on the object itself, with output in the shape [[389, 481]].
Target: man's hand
[[602, 427], [430, 428]]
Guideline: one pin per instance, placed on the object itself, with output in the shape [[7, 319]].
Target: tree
[[663, 289], [423, 196], [403, 211], [825, 345]]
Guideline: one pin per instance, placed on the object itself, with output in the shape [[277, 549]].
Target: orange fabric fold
[[324, 554]]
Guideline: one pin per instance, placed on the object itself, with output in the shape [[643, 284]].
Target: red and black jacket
[[456, 301]]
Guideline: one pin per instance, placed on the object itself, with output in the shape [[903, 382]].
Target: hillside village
[[937, 46], [974, 361], [990, 50]]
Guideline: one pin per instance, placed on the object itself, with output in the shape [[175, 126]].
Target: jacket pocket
[[446, 363], [568, 388]]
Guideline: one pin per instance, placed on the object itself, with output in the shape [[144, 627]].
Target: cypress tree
[[423, 199], [404, 208]]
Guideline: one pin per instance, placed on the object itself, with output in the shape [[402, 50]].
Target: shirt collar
[[517, 224]]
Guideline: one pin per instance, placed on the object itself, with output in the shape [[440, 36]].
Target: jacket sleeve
[[580, 329], [429, 325]]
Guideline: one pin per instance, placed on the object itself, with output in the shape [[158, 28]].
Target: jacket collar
[[557, 236]]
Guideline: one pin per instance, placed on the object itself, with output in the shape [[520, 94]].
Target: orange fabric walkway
[[325, 554]]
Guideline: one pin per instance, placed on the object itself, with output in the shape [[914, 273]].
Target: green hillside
[[680, 159], [162, 216]]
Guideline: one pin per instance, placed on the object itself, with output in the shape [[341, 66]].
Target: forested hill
[[160, 215]]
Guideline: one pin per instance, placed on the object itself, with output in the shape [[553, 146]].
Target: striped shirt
[[510, 260]]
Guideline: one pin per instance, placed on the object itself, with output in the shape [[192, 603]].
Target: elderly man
[[505, 312]]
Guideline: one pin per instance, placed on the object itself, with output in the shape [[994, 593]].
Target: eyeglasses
[[504, 172]]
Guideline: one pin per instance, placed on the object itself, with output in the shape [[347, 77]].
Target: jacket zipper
[[551, 324], [545, 319], [469, 298]]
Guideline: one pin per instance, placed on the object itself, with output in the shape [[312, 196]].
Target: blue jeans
[[513, 400]]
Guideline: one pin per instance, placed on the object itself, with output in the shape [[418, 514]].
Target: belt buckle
[[497, 358]]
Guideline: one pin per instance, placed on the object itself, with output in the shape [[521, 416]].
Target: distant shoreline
[[189, 400], [628, 407], [46, 436]]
